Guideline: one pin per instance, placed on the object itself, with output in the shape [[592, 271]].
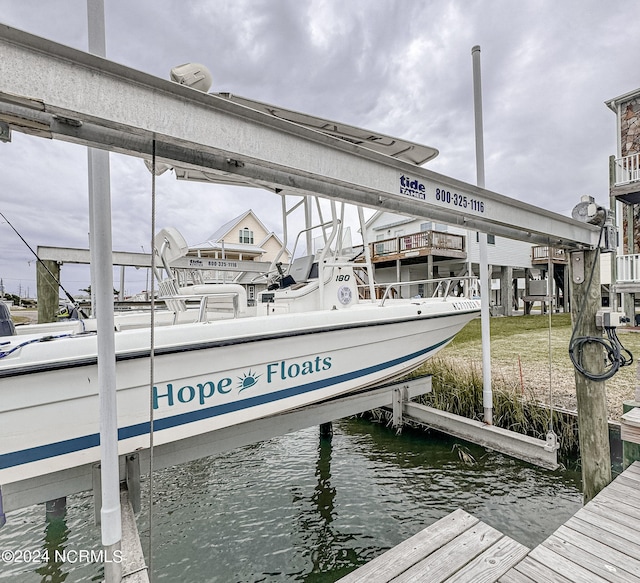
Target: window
[[426, 226], [491, 239], [246, 236]]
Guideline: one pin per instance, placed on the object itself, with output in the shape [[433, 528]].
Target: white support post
[[101, 248], [485, 278]]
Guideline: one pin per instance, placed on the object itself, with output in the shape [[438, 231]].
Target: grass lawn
[[522, 361]]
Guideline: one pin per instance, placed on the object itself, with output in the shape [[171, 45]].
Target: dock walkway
[[601, 542]]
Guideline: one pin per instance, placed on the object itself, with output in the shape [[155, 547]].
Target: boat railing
[[205, 301], [465, 286]]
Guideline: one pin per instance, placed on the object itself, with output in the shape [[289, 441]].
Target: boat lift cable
[[152, 354], [551, 437], [616, 355], [44, 265]]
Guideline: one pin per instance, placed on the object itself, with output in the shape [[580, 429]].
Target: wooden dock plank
[[600, 543], [567, 568], [603, 568], [612, 556], [492, 563], [513, 576], [615, 512], [594, 531], [633, 469], [613, 498], [446, 561], [629, 481], [620, 495], [398, 559], [612, 527], [538, 571]]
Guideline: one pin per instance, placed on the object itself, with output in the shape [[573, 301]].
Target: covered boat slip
[[78, 97], [600, 543], [88, 100]]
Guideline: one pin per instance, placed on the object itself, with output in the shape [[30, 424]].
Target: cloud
[[395, 66]]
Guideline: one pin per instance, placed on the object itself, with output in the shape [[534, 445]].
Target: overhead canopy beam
[[50, 90], [82, 256]]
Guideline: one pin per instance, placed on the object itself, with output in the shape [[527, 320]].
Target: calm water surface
[[295, 508]]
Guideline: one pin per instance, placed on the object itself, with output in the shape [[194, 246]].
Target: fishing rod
[[69, 296]]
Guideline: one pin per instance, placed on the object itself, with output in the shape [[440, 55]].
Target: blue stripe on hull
[[76, 444]]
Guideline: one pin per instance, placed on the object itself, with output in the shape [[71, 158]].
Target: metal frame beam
[[81, 256], [54, 91]]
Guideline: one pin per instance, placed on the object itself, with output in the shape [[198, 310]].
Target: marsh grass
[[459, 391]]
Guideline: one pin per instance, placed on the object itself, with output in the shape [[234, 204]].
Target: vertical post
[[506, 290], [326, 430], [101, 249], [593, 426], [48, 294], [483, 268], [308, 219], [121, 290]]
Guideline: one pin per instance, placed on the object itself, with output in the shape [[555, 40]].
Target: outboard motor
[[7, 327]]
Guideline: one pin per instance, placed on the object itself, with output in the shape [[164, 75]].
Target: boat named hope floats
[[317, 333]]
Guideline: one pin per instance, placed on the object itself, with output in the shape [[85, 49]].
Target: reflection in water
[[296, 509], [56, 534]]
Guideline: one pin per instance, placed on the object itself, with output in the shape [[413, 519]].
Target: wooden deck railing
[[541, 255], [418, 241]]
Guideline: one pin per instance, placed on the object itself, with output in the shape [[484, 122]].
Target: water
[[297, 509]]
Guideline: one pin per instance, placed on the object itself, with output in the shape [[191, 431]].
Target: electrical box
[[608, 319], [538, 287]]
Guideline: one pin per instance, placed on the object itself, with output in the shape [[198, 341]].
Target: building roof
[[224, 229], [612, 104]]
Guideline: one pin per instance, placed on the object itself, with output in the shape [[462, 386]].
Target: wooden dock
[[601, 542]]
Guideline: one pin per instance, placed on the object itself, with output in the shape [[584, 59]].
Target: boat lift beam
[[53, 91]]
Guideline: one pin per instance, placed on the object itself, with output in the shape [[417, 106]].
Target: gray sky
[[401, 67]]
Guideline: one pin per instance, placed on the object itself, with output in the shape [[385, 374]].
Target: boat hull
[[205, 377]]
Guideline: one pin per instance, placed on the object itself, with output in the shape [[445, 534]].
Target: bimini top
[[394, 147]]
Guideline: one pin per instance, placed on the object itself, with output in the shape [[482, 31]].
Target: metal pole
[[485, 280], [308, 218], [101, 246]]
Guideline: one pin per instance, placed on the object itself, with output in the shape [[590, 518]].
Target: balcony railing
[[627, 169], [418, 242], [541, 255], [628, 269]]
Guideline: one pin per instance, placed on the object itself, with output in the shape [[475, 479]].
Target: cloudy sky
[[402, 67]]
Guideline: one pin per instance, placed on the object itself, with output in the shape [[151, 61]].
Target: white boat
[[314, 337]]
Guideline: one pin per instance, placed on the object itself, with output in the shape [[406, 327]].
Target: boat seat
[[7, 327], [300, 269], [168, 290]]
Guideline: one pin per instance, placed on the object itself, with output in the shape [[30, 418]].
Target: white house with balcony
[[244, 239], [625, 196], [410, 249]]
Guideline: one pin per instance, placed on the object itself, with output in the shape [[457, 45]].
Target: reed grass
[[459, 391]]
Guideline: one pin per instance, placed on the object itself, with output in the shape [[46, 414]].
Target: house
[[410, 249], [243, 239], [625, 196]]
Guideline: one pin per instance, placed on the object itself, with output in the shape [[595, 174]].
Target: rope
[[152, 351]]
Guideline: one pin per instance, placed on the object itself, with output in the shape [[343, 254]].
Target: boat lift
[[53, 91], [56, 92]]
